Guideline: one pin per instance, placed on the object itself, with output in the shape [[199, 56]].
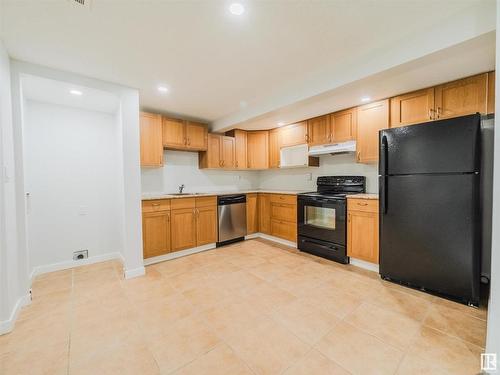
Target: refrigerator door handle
[[383, 155], [383, 194]]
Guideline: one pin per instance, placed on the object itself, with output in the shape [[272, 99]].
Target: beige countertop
[[151, 196], [363, 196]]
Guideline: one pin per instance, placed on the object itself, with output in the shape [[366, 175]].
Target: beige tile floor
[[249, 308]]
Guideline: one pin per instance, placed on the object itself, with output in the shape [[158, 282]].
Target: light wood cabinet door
[[264, 201], [151, 140], [462, 97], [206, 225], [240, 139], [155, 233], [174, 133], [258, 149], [343, 124], [252, 214], [362, 236], [211, 158], [371, 118], [228, 152], [284, 229], [274, 148], [491, 92], [319, 130], [183, 227], [412, 108], [196, 136], [294, 134]]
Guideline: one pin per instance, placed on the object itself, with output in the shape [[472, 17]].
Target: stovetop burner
[[337, 187]]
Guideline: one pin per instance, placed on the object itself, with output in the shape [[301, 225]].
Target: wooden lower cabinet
[[264, 202], [252, 214], [183, 228], [363, 230], [156, 233], [284, 229], [206, 225], [284, 216]]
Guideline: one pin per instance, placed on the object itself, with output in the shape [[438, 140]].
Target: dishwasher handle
[[231, 199]]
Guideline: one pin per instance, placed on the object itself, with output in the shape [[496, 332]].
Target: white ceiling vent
[[81, 3]]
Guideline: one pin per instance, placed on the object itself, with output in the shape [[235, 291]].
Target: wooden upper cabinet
[[319, 130], [196, 136], [294, 134], [228, 152], [151, 144], [252, 214], [240, 147], [412, 108], [183, 227], [343, 125], [462, 97], [274, 148], [212, 158], [491, 92], [174, 133], [258, 149], [371, 118]]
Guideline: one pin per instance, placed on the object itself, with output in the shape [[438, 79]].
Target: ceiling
[[58, 92], [229, 70]]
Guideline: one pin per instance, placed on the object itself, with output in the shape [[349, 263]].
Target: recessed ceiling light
[[281, 123], [162, 89], [75, 92], [365, 99], [237, 9]]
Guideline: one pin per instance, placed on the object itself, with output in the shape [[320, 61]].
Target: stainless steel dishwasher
[[232, 218]]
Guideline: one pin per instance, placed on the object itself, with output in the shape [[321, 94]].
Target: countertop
[[363, 196], [151, 196]]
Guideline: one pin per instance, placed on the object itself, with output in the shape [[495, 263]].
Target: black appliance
[[321, 216], [430, 219]]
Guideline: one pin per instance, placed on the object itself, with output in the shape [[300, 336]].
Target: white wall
[[330, 165], [71, 173], [493, 336], [181, 167]]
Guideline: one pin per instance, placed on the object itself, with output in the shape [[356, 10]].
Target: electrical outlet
[[79, 255], [309, 177]]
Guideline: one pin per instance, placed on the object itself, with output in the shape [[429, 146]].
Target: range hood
[[336, 148]]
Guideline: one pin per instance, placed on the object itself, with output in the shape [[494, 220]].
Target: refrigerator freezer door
[[429, 233], [446, 146]]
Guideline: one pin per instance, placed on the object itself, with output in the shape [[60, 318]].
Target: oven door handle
[[331, 247]]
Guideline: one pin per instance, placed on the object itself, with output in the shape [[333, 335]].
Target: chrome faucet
[[181, 188]]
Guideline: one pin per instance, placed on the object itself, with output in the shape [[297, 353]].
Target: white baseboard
[[136, 272], [179, 254], [7, 326], [39, 270], [271, 238], [366, 265]]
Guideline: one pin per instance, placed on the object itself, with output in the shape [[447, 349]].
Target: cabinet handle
[[155, 204], [358, 155], [430, 113], [168, 217], [222, 162], [236, 163], [438, 112], [362, 204], [189, 142]]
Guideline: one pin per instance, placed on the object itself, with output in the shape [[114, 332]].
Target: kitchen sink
[[177, 194]]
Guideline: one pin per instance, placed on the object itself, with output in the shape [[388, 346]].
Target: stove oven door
[[322, 218]]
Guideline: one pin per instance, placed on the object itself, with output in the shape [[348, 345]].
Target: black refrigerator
[[429, 185]]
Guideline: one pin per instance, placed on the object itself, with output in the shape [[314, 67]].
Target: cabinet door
[[258, 149], [174, 133], [294, 134], [151, 140], [319, 130], [212, 158], [371, 118], [343, 125], [196, 136], [284, 229], [412, 108], [274, 148], [240, 139], [206, 225], [264, 213], [491, 92], [183, 227], [155, 233], [252, 214], [362, 236], [462, 97], [227, 152]]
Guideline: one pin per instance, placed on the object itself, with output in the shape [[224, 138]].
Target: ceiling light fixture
[[365, 99], [237, 9], [75, 92], [163, 89]]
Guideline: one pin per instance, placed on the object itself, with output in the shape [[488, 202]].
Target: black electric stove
[[322, 216]]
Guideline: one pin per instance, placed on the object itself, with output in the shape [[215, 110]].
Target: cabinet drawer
[[179, 203], [156, 205], [284, 211], [365, 205], [284, 229], [206, 201], [284, 198]]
